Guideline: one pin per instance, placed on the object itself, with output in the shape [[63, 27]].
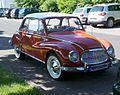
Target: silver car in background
[[106, 14], [82, 13]]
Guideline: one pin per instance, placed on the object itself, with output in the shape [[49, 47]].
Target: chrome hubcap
[[54, 67], [110, 23], [17, 51]]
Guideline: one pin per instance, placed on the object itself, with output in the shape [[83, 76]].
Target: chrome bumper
[[91, 68]]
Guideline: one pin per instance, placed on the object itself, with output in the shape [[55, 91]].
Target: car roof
[[84, 7], [107, 4], [47, 15]]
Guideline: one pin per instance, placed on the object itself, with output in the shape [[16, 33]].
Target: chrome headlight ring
[[110, 51], [74, 56]]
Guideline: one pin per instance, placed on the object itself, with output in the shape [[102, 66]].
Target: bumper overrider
[[90, 68]]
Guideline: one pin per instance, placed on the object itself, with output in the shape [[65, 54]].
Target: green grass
[[11, 85]]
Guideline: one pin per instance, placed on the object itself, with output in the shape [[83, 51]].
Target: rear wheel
[[94, 25], [54, 67], [18, 53], [110, 23]]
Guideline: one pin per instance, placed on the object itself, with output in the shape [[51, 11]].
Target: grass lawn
[[11, 85]]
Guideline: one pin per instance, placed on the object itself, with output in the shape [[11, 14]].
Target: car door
[[29, 27], [32, 37], [37, 39]]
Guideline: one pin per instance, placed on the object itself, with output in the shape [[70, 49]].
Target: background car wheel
[[18, 53], [110, 23], [54, 67], [94, 25]]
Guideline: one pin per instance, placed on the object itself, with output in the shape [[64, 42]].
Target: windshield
[[63, 24], [21, 11], [78, 10], [97, 9]]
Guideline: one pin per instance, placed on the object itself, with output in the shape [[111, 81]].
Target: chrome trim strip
[[73, 69], [34, 57]]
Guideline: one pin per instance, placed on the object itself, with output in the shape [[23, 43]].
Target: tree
[[29, 3], [67, 6], [49, 5]]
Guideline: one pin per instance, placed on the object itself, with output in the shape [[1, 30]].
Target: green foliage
[[29, 3], [49, 5], [67, 6]]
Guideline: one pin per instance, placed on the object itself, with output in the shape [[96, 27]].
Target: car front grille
[[94, 56]]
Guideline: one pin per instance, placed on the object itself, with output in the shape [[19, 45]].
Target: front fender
[[62, 49], [104, 42]]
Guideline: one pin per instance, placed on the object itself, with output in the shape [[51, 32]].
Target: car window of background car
[[78, 10], [33, 24], [114, 8], [88, 9], [118, 6], [97, 9], [21, 11], [111, 8]]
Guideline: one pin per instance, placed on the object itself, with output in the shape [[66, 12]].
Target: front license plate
[[98, 67]]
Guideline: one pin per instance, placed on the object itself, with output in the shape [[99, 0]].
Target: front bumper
[[90, 68]]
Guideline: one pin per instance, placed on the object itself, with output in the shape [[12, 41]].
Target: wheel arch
[[54, 52], [111, 18]]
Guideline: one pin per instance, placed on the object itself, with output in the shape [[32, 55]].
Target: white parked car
[[82, 13], [106, 14]]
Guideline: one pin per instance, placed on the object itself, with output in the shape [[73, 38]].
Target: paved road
[[74, 84]]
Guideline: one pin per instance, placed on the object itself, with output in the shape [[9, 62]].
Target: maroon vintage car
[[60, 41]]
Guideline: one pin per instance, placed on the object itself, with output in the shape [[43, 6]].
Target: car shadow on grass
[[35, 73]]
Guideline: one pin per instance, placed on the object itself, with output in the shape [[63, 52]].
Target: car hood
[[77, 37]]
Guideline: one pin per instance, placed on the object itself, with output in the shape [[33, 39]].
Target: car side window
[[114, 8], [88, 10], [118, 7], [40, 27], [33, 25], [111, 8], [25, 24]]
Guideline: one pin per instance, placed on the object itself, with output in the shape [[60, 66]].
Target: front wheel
[[18, 53], [54, 67]]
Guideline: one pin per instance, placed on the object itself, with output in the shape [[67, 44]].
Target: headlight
[[73, 56], [110, 51]]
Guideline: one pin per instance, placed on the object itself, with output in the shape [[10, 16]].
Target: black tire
[[94, 25], [109, 23], [54, 69], [18, 53]]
